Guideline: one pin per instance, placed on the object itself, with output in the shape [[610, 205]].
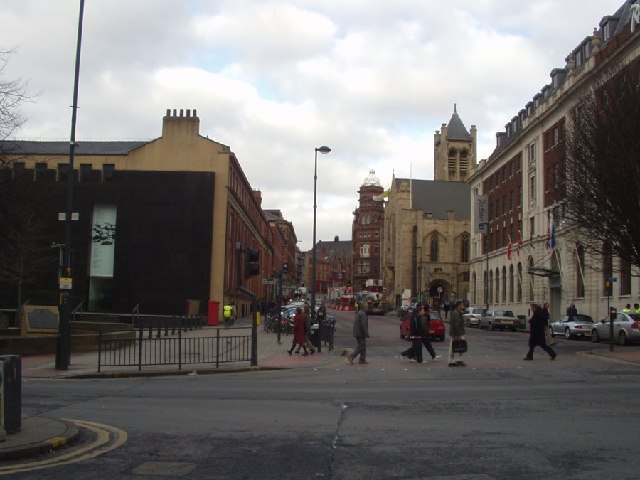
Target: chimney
[[174, 124]]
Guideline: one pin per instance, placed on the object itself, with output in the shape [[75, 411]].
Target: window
[[434, 250], [464, 257], [511, 284], [364, 250], [519, 282], [532, 227], [625, 277], [531, 278], [504, 284], [607, 266], [580, 271], [578, 58], [108, 170], [606, 32], [556, 136], [532, 188]]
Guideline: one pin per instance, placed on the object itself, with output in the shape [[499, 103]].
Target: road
[[498, 418]]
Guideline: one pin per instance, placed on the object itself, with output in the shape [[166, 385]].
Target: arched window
[[530, 280], [504, 284], [519, 282], [474, 286], [491, 287], [464, 257], [497, 285], [607, 266], [511, 283], [434, 249], [580, 271]]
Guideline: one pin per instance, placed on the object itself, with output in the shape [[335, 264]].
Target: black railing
[[172, 341]]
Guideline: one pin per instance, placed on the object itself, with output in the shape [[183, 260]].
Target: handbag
[[459, 346]]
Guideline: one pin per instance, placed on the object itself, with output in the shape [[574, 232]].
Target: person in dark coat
[[361, 333], [299, 337], [416, 332], [572, 311], [425, 319], [537, 326]]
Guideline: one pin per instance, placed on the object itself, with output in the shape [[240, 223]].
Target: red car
[[436, 325]]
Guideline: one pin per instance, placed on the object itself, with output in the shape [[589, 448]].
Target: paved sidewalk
[[42, 434]]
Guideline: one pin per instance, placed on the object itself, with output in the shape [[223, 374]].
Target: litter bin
[[212, 313], [11, 392]]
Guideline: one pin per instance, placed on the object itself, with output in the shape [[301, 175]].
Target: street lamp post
[[323, 150]]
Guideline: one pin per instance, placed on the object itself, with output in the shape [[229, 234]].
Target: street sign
[[268, 281]]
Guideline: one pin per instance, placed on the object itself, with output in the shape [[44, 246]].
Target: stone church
[[427, 231]]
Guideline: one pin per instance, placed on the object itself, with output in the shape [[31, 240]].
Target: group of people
[[539, 325]]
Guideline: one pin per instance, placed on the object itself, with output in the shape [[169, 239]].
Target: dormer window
[[606, 32], [579, 59]]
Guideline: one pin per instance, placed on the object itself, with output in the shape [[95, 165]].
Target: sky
[[275, 79]]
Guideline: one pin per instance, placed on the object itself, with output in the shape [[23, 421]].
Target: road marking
[[107, 438]]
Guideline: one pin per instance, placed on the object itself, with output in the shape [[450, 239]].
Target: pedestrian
[[572, 311], [361, 333], [456, 332], [627, 308], [425, 319], [298, 333], [547, 327], [537, 325], [416, 334], [227, 313], [307, 330], [447, 307], [636, 308]]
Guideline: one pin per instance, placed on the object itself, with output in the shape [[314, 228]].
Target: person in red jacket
[[299, 337]]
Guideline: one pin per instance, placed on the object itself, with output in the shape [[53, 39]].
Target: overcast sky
[[274, 79]]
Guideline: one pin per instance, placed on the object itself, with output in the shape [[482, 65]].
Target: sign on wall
[[103, 240], [481, 214]]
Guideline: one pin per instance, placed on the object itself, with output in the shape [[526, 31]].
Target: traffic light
[[252, 263]]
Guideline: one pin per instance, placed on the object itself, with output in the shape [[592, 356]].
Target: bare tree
[[24, 252], [603, 167]]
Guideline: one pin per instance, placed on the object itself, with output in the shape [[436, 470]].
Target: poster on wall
[[103, 239]]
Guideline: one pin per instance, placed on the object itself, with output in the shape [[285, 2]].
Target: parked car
[[579, 325], [500, 319], [626, 329], [436, 325], [472, 316]]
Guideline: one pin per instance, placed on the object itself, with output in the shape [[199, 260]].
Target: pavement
[[43, 434]]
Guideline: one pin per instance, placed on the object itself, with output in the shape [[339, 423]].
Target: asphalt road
[[498, 418]]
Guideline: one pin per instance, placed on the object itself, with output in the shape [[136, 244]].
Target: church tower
[[454, 150]]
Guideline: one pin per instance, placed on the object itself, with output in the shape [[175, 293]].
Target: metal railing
[[172, 341]]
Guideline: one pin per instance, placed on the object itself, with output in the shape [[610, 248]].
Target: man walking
[[361, 333], [456, 332], [537, 325]]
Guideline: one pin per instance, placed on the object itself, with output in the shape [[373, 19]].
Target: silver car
[[472, 316], [626, 329], [579, 325]]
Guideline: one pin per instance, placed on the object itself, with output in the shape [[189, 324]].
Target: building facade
[[426, 241], [159, 223], [522, 248], [367, 233]]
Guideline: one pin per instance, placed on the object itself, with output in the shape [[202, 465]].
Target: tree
[[24, 253], [603, 167]]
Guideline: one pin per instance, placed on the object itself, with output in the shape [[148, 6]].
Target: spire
[[456, 129]]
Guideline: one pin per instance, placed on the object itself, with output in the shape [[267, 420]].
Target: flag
[[547, 240], [553, 236], [509, 248], [519, 246]]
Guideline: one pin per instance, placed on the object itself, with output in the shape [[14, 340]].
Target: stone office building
[[527, 253]]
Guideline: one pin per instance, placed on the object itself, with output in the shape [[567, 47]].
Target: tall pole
[[63, 352], [322, 150]]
